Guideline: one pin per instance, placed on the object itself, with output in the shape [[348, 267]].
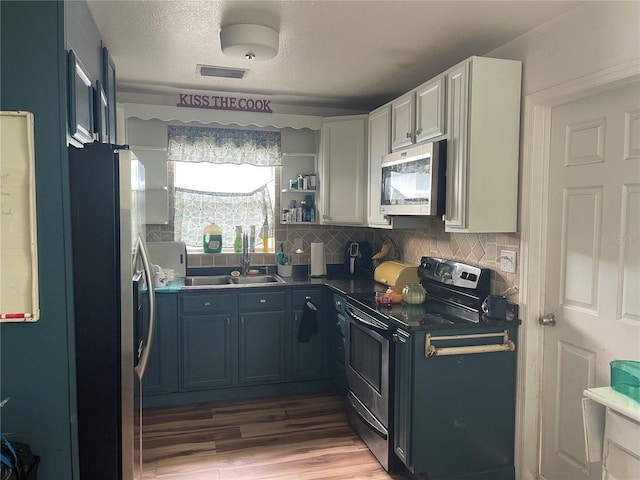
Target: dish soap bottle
[[212, 239], [252, 239], [237, 243], [265, 236]]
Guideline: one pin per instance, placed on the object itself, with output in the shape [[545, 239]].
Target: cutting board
[[169, 255]]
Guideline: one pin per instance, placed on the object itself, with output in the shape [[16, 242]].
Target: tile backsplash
[[481, 249]]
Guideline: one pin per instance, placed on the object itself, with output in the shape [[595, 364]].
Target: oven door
[[367, 362]]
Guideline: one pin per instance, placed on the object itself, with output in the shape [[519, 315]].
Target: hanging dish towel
[[308, 323]]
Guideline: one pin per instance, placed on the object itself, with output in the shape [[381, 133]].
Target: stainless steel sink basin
[[221, 280], [253, 279], [207, 280]]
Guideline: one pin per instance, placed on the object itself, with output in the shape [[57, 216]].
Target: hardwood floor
[[300, 437]]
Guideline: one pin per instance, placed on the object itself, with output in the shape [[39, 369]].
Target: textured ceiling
[[350, 54]]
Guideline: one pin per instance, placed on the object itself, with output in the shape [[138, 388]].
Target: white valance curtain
[[193, 209]]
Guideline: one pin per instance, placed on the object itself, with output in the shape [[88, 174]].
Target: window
[[226, 177]]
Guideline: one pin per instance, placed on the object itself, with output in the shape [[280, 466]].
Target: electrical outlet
[[508, 261]]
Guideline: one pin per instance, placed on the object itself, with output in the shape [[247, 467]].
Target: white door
[[592, 266]]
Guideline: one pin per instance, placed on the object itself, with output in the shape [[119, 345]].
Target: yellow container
[[212, 239]]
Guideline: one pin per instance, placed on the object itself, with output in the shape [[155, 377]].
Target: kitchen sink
[[253, 279], [207, 280], [219, 280]]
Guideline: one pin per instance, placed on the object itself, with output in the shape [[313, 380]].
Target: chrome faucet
[[246, 262]]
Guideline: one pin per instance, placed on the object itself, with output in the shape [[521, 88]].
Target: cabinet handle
[[419, 131], [308, 297], [295, 317], [263, 300], [207, 304], [408, 134], [242, 320], [228, 321]]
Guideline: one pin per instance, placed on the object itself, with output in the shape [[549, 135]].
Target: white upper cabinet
[[430, 110], [343, 170], [379, 146], [419, 115], [148, 141], [483, 110], [403, 121]]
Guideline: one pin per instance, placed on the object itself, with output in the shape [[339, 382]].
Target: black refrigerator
[[114, 308]]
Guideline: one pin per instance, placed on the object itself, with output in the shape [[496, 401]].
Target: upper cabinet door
[[402, 121], [379, 146], [343, 170], [430, 110], [81, 101], [109, 83], [458, 99]]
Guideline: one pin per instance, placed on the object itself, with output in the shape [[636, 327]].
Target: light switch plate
[[508, 261]]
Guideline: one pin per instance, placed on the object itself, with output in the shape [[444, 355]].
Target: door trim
[[533, 227]]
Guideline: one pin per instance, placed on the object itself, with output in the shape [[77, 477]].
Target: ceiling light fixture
[[249, 42]]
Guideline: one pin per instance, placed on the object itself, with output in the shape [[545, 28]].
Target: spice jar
[[414, 293]]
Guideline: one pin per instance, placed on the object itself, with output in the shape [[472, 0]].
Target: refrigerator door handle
[[141, 252]]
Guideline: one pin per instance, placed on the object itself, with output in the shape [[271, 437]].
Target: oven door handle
[[366, 417], [370, 323]]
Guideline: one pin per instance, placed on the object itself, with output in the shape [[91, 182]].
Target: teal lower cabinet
[[262, 341], [403, 396], [161, 376], [237, 343], [207, 341], [308, 359], [338, 339], [454, 414]]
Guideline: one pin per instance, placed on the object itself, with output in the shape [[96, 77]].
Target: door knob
[[548, 320]]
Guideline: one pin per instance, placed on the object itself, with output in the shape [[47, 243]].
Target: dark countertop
[[408, 317]]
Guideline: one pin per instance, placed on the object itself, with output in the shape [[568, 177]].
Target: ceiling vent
[[223, 72]]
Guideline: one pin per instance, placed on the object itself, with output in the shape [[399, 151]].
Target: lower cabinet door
[[403, 395], [308, 357], [161, 375], [262, 347], [207, 352]]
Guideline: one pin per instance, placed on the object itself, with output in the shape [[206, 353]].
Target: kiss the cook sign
[[217, 102]]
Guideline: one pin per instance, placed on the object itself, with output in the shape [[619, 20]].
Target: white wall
[[592, 37]]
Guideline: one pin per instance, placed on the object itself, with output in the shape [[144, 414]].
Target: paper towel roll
[[318, 265]]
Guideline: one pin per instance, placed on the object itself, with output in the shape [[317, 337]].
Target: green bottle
[[237, 243]]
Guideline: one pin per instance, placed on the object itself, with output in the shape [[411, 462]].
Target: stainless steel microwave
[[413, 180]]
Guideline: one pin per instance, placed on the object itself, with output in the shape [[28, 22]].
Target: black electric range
[[432, 313], [455, 294]]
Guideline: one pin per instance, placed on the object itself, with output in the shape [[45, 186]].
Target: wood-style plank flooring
[[300, 437]]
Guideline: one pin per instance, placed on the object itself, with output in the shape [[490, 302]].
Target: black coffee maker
[[357, 259]]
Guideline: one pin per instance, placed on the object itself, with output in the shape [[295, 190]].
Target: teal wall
[[36, 366]]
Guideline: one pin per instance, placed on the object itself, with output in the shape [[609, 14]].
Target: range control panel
[[451, 272]]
